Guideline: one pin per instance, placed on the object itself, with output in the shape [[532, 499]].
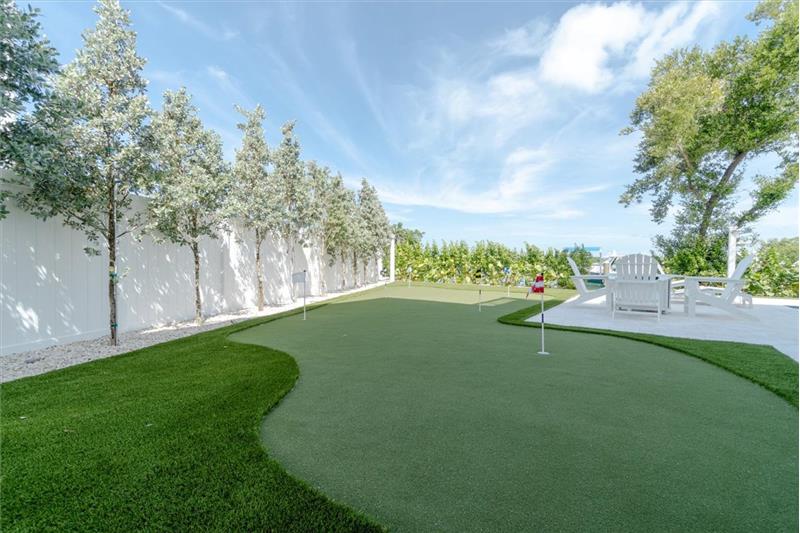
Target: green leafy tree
[[403, 234], [705, 115], [27, 62], [775, 271], [457, 262], [99, 115], [251, 200], [194, 180]]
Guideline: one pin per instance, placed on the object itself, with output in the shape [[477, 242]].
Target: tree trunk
[[321, 262], [111, 241], [344, 271], [364, 267], [355, 270], [259, 279], [198, 303], [716, 196], [290, 252]]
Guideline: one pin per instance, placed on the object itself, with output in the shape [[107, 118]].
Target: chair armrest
[[640, 282], [712, 279]]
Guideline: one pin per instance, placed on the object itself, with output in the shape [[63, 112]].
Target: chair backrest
[[731, 290], [637, 267], [575, 270], [580, 284], [742, 267]]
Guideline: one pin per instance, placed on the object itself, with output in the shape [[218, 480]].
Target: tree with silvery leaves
[[98, 117], [373, 224], [27, 63], [194, 180], [290, 188], [358, 235], [251, 200], [318, 210], [339, 229]]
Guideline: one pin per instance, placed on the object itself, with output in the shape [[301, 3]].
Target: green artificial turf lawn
[[412, 408], [428, 415], [165, 438], [760, 364]]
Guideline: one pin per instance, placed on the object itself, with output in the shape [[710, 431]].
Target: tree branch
[[716, 196]]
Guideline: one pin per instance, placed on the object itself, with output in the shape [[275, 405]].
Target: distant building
[[596, 251]]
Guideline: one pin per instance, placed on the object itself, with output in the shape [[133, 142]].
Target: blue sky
[[474, 120]]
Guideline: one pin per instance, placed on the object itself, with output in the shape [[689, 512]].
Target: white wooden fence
[[51, 292]]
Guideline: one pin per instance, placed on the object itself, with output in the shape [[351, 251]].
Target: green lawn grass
[[414, 411], [431, 416], [164, 438], [760, 364]]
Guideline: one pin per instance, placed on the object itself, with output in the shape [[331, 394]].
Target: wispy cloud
[[217, 33], [524, 41], [319, 121], [476, 119]]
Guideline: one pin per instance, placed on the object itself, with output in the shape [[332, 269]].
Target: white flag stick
[[542, 352], [304, 294]]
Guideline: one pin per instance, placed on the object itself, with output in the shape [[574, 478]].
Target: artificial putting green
[[424, 414]]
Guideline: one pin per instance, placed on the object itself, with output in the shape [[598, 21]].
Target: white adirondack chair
[[639, 286], [734, 285], [723, 293], [584, 293], [638, 267]]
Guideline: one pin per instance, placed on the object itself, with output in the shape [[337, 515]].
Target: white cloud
[[221, 34], [520, 185], [229, 85], [585, 39], [597, 45], [674, 27], [526, 41], [222, 77], [493, 130], [494, 109]]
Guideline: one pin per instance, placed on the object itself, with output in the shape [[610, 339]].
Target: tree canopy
[[27, 61], [706, 114], [193, 179]]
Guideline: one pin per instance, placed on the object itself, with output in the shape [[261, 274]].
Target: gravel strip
[[31, 363]]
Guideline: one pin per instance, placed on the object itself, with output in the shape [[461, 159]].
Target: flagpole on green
[[539, 284]]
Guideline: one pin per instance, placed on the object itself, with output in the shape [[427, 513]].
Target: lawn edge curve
[[761, 364]]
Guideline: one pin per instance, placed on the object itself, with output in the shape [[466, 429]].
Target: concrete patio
[[774, 322]]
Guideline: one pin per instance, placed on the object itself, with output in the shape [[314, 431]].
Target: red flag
[[538, 285]]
